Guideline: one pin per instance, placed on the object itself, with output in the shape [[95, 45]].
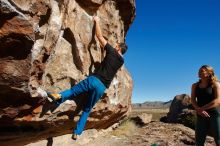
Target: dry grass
[[156, 113], [127, 128]]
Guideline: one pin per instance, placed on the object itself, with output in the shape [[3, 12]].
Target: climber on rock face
[[96, 84]]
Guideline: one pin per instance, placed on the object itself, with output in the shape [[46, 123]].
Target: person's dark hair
[[123, 47]]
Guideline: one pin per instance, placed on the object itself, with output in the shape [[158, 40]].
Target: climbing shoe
[[74, 136]]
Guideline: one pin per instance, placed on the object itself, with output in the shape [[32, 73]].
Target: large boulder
[[180, 106], [51, 45]]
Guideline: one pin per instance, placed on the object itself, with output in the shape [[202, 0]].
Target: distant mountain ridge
[[152, 104]]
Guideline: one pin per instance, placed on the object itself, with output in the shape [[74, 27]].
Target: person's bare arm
[[216, 101], [193, 96], [98, 32]]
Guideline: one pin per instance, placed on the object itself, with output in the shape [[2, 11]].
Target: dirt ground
[[130, 134]]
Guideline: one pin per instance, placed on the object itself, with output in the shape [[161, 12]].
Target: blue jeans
[[95, 89]]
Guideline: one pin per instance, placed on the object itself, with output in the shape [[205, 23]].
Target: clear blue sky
[[168, 41]]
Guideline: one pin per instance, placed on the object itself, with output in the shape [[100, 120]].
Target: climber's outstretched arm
[[98, 32]]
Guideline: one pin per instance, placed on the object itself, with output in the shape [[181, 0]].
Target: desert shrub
[[126, 128]]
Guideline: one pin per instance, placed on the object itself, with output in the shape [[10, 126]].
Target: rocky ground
[[131, 134]]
